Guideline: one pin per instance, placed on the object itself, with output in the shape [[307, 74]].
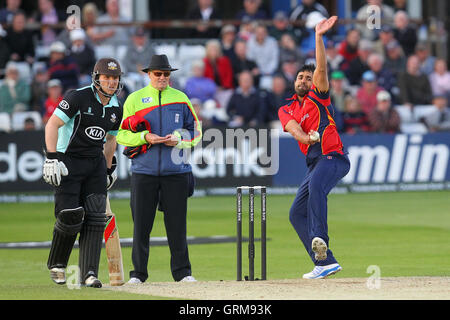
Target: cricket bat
[[113, 250]]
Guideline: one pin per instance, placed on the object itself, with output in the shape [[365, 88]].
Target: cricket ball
[[314, 136]]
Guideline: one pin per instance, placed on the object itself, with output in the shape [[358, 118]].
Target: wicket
[[251, 237]]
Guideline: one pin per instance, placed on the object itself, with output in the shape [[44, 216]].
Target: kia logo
[[95, 133]]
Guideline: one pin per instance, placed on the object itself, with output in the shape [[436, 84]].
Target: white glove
[[53, 170], [110, 179], [111, 175]]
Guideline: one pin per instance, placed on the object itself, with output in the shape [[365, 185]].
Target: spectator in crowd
[[395, 59], [264, 50], [217, 66], [7, 13], [425, 59], [414, 86], [281, 26], [20, 40], [384, 118], [198, 108], [62, 66], [355, 120], [359, 65], [246, 29], [386, 35], [405, 34], [227, 40], [334, 59], [252, 10], [4, 51], [139, 52], [289, 50], [439, 119], [15, 93], [240, 63], [73, 22], [440, 78], [367, 94], [64, 35], [39, 90], [244, 105], [364, 14], [205, 112], [89, 19], [204, 11], [385, 78], [48, 15], [29, 124], [308, 43], [338, 93], [400, 5], [288, 71], [83, 55], [198, 86], [275, 99], [54, 97], [113, 35], [301, 12], [348, 48]]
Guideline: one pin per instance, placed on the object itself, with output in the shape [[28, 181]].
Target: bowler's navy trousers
[[308, 213]]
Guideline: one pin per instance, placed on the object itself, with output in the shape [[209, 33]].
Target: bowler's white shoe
[[134, 280], [321, 272], [319, 247], [58, 275], [188, 279]]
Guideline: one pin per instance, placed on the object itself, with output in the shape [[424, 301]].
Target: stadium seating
[[5, 122], [18, 119], [413, 128]]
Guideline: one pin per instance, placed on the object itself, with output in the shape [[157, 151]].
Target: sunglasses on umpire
[[159, 74]]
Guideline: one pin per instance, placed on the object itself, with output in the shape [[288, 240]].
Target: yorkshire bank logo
[[409, 160]]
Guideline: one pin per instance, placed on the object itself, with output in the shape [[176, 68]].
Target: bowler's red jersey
[[313, 112]]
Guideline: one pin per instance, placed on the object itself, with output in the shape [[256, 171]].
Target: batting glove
[[111, 174], [53, 169]]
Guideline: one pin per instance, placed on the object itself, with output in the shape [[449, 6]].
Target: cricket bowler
[[80, 144], [308, 117]]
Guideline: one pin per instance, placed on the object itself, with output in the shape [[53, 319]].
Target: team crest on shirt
[[64, 105], [304, 118], [113, 118], [89, 112], [147, 100]]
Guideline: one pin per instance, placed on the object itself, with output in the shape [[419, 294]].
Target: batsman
[[80, 144], [308, 117]]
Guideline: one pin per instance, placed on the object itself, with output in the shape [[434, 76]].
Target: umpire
[[157, 175], [80, 144]]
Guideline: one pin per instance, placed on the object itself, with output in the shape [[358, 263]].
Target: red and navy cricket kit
[[327, 163]]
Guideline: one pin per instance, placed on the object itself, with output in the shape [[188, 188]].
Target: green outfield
[[403, 233]]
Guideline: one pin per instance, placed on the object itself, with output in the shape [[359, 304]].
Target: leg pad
[[68, 224]]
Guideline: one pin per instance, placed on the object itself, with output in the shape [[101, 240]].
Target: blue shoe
[[321, 272]]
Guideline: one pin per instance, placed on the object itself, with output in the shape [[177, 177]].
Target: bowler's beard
[[301, 92]]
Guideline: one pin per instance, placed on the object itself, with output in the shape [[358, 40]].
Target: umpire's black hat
[[159, 62]]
